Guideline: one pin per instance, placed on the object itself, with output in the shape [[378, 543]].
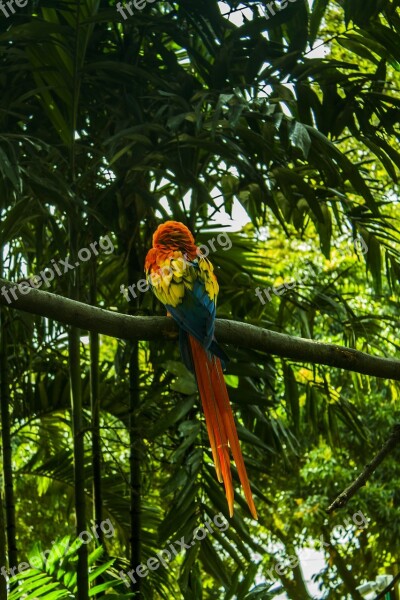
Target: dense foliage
[[188, 110]]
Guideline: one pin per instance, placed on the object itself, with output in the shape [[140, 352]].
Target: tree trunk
[[77, 425], [295, 586], [79, 460], [6, 440], [95, 410], [135, 482], [3, 554], [135, 541], [341, 565]]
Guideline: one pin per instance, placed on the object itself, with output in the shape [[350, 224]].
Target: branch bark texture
[[114, 324]]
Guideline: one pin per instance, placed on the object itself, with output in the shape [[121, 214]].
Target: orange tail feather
[[220, 422]]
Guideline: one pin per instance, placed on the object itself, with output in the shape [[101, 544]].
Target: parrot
[[183, 279]]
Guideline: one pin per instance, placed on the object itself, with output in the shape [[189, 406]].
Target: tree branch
[[71, 312], [361, 480]]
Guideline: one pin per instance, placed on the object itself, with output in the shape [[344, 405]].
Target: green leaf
[[300, 138], [173, 416], [317, 13]]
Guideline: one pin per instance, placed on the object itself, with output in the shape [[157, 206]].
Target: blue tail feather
[[186, 352]]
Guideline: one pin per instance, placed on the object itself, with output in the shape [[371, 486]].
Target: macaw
[[184, 281]]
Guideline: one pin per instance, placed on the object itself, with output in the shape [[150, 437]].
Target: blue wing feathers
[[196, 315], [186, 352]]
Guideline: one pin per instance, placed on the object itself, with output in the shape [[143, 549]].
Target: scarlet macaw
[[184, 281]]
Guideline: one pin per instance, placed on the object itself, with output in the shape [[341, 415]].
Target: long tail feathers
[[220, 422]]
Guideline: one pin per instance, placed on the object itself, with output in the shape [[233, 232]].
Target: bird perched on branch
[[184, 281]]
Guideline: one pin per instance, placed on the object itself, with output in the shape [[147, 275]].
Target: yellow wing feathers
[[171, 276], [206, 275]]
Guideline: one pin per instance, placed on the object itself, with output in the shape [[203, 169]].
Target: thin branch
[[361, 480], [114, 324]]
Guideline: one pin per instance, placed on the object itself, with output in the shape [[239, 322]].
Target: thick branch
[[244, 335], [361, 480]]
